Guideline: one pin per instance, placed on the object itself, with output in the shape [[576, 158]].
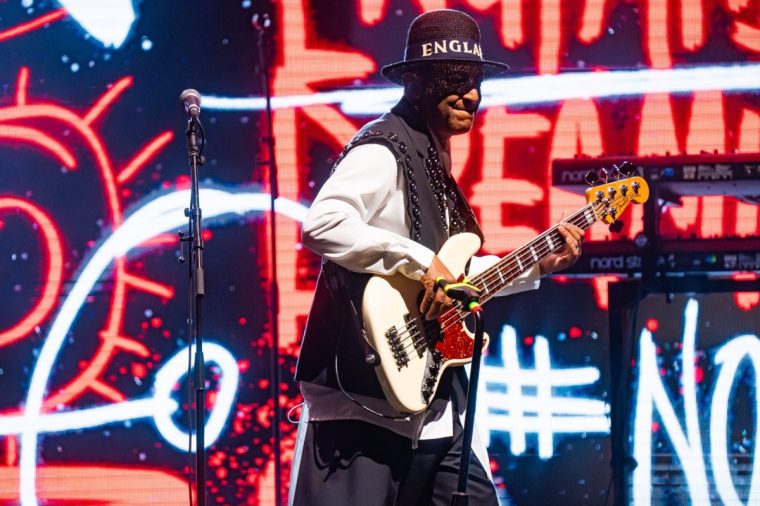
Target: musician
[[387, 208]]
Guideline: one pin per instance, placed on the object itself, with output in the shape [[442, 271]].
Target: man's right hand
[[435, 302]]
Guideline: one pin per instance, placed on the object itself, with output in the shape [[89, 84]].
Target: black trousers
[[350, 462]]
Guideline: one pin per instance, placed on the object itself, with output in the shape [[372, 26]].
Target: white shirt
[[359, 221]]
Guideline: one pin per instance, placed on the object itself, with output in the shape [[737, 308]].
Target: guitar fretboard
[[497, 277]]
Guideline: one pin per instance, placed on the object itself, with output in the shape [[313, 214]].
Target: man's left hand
[[569, 253]]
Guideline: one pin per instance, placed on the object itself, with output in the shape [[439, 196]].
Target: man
[[387, 208]]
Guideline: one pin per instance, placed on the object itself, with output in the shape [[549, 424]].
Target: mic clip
[[463, 291]]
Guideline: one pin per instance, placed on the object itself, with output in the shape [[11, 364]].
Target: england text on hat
[[453, 45]]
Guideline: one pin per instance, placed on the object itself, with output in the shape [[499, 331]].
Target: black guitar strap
[[344, 292]]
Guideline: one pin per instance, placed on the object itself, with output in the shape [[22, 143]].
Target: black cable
[[189, 414], [188, 387], [202, 137], [400, 418]]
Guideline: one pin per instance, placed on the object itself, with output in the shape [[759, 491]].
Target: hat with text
[[441, 36]]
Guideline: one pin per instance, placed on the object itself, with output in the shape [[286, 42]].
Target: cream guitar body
[[414, 352]]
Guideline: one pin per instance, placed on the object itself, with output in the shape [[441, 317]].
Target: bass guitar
[[414, 352]]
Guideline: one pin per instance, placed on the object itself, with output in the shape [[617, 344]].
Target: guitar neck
[[497, 277]]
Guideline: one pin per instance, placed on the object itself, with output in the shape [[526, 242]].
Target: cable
[[189, 392], [290, 412], [351, 398]]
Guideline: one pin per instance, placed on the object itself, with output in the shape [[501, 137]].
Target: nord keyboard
[[682, 175], [672, 257]]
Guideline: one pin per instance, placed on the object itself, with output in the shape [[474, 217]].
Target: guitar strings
[[446, 320], [455, 315]]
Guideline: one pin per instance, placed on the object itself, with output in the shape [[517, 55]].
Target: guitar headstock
[[610, 198]]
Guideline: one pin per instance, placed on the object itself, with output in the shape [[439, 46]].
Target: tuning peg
[[616, 226], [603, 174], [591, 177], [615, 172], [626, 168]]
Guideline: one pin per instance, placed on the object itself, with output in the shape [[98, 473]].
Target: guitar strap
[[339, 284], [345, 294]]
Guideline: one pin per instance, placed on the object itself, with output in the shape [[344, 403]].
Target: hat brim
[[395, 71]]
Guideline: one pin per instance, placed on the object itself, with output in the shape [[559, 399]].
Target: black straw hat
[[440, 36]]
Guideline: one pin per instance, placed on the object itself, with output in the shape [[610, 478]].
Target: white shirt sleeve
[[528, 280], [358, 219]]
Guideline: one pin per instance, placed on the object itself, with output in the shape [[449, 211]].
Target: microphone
[[191, 100]]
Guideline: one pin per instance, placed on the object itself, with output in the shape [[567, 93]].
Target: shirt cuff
[[420, 258]]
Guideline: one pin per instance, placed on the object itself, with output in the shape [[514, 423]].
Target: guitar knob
[[612, 191], [624, 190], [636, 187], [599, 195]]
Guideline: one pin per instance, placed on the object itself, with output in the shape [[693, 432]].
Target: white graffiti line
[[527, 90], [521, 401], [729, 358], [108, 21], [160, 215], [651, 395], [160, 407]]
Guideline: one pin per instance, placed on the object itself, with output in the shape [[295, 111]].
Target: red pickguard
[[456, 343]]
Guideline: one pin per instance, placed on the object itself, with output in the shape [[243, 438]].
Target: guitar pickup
[[416, 327], [425, 333]]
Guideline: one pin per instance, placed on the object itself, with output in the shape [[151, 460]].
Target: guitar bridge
[[397, 348]]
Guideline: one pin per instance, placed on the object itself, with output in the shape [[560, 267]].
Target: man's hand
[[569, 253], [435, 302]]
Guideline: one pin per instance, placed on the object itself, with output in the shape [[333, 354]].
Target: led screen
[[95, 180]]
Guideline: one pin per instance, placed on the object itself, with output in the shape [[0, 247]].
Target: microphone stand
[[260, 25], [461, 497], [195, 269]]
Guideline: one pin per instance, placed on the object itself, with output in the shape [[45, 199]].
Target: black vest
[[334, 325]]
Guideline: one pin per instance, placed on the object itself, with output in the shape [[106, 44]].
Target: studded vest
[[434, 200]]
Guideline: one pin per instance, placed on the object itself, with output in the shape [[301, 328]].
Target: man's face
[[450, 97]]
